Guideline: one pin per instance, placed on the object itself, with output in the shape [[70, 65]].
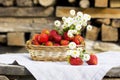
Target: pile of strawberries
[[53, 38]]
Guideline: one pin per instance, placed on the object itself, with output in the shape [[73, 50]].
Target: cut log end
[[84, 3], [71, 1], [101, 3], [109, 33], [47, 3]]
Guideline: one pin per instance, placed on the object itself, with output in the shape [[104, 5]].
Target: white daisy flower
[[86, 57], [70, 19], [57, 23], [75, 53], [74, 31], [89, 27], [68, 22], [78, 27], [70, 34], [63, 26], [72, 45], [87, 17], [79, 22], [84, 22], [63, 18], [80, 14], [77, 18], [70, 31], [72, 12], [80, 49], [75, 22]]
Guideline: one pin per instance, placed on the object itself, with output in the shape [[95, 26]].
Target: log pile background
[[20, 19]]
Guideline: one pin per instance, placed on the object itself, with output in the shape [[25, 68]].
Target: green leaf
[[66, 29]]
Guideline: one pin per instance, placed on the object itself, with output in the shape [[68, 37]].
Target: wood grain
[[94, 12]]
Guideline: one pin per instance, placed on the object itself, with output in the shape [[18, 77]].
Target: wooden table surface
[[17, 72]]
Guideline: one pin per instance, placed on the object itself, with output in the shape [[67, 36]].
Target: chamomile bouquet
[[72, 27]]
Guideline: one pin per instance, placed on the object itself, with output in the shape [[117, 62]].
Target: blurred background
[[21, 19]]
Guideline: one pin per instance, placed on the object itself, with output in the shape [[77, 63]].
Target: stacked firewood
[[19, 19], [27, 3]]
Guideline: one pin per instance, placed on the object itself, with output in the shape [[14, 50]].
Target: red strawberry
[[49, 43], [43, 38], [57, 38], [56, 44], [46, 31], [50, 37], [52, 34], [35, 37], [93, 60], [65, 36], [75, 61], [78, 39], [35, 42], [64, 42]]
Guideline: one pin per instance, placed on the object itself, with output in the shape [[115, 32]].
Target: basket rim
[[54, 46], [29, 44]]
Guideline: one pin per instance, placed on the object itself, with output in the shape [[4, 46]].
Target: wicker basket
[[48, 53]]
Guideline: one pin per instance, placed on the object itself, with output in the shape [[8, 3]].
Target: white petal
[[63, 18], [68, 21], [75, 53], [72, 45], [78, 27], [57, 23], [80, 14], [74, 31], [89, 27], [86, 57], [80, 49], [72, 12], [70, 33], [84, 23], [87, 17]]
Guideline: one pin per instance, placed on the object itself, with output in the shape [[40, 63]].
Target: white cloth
[[62, 70]]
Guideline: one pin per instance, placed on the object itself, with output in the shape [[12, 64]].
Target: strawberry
[[35, 37], [35, 42], [75, 61], [57, 38], [49, 43], [64, 42], [56, 44], [50, 38], [43, 38], [78, 39], [93, 60], [65, 36], [46, 31], [52, 34]]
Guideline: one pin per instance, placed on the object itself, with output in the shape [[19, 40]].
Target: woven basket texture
[[48, 53]]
